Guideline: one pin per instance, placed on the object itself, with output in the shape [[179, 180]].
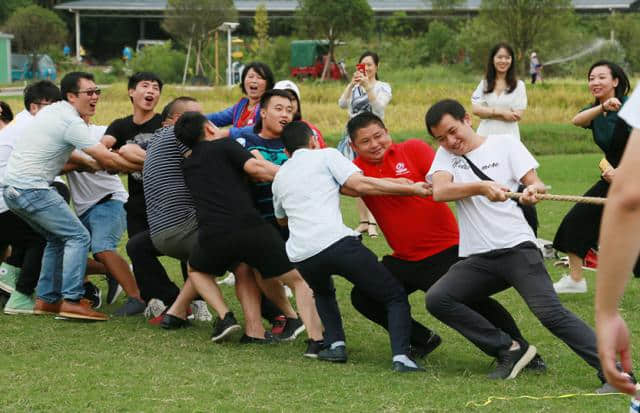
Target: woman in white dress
[[365, 93], [500, 99]]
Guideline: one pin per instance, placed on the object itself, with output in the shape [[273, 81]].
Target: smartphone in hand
[[360, 67]]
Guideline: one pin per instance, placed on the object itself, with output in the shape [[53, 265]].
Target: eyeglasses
[[90, 92]]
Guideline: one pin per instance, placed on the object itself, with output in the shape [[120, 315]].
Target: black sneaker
[[223, 327], [113, 289], [423, 350], [292, 329], [268, 339], [171, 322], [313, 348], [93, 294], [536, 365], [511, 362], [132, 306], [335, 355], [400, 367]]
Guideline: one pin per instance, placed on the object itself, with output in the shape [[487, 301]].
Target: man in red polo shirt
[[422, 233]]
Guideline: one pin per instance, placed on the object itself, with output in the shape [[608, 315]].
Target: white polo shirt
[[306, 190]]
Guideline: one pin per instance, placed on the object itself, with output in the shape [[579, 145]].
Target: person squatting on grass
[[620, 246], [424, 237], [306, 197], [37, 158], [498, 244], [231, 229], [579, 230]]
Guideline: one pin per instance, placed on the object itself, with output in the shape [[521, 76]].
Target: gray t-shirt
[[46, 145]]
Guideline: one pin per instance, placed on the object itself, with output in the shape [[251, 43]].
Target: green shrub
[[162, 60]]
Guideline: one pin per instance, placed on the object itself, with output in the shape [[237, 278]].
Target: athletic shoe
[[229, 280], [154, 308], [132, 306], [224, 326], [313, 348], [400, 367], [606, 388], [536, 365], [511, 362], [590, 261], [566, 285], [268, 339], [114, 289], [19, 304], [8, 277], [42, 307], [292, 329], [156, 321], [278, 325], [200, 311], [334, 355], [171, 322], [81, 310], [423, 350], [93, 294]]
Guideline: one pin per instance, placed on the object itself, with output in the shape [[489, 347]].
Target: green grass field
[[129, 365]]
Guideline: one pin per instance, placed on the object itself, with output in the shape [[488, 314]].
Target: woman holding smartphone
[[365, 93], [580, 228], [500, 99]]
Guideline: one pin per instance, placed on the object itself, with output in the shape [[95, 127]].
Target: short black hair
[[141, 77], [264, 102], [362, 120], [296, 135], [69, 83], [39, 91], [169, 109], [189, 129], [444, 107], [6, 115], [261, 69]]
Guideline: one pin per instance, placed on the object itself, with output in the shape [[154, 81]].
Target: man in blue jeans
[[37, 158]]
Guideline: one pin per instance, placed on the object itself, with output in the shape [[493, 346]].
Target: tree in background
[[626, 29], [261, 28], [7, 7], [34, 28], [331, 19], [440, 43], [398, 24], [526, 24], [192, 21]]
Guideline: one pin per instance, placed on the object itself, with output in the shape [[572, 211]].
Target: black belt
[[104, 199]]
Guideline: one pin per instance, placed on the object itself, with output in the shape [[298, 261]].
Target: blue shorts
[[106, 223]]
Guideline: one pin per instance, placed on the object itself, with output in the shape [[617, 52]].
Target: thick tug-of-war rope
[[567, 198]]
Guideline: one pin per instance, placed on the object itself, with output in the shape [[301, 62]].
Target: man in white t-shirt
[[619, 249], [306, 197], [496, 240]]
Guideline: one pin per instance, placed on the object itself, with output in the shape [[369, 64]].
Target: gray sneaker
[[132, 306]]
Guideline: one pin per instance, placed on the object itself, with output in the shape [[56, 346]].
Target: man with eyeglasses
[[45, 146]]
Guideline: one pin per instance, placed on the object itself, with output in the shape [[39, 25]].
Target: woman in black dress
[[580, 228]]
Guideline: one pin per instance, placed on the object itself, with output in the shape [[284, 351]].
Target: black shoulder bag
[[529, 211]]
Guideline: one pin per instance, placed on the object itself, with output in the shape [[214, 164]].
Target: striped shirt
[[168, 200]]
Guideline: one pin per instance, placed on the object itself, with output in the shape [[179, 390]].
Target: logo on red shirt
[[401, 169]]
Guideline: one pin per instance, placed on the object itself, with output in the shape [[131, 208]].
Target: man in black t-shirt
[[132, 134], [231, 228]]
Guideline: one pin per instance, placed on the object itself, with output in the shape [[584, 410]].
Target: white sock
[[405, 360]]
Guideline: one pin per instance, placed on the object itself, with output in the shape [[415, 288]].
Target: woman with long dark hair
[[580, 228], [365, 93], [500, 99]]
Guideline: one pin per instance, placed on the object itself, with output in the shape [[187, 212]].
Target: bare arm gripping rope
[[567, 198]]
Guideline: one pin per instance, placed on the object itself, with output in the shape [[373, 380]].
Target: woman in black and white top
[[365, 93]]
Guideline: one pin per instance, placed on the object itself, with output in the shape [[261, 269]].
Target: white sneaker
[[200, 311], [566, 285], [229, 280], [154, 308]]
